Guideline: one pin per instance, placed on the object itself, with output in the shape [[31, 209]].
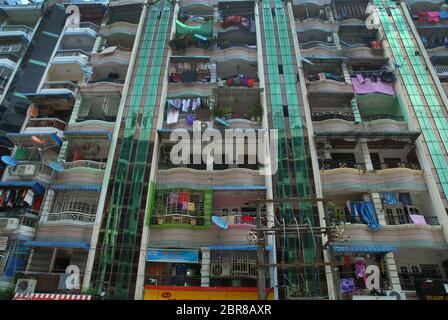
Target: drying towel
[[248, 219], [433, 16], [172, 116], [173, 198], [417, 219], [29, 197], [360, 78]]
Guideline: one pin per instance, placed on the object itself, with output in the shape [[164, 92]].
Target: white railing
[[21, 28], [85, 164], [71, 216]]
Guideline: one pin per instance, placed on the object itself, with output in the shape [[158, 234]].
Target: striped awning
[[58, 244], [365, 249], [51, 296], [77, 187], [238, 187], [88, 134], [36, 186]]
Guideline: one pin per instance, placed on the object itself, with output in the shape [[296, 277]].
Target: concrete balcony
[[7, 64], [17, 31], [88, 29], [45, 124], [120, 28], [378, 125], [181, 177], [326, 87], [343, 177], [401, 236]]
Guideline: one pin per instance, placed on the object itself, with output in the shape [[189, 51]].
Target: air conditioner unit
[[25, 286], [394, 293], [26, 170]]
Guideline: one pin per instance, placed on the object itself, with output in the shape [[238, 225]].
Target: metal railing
[[60, 85], [322, 116], [21, 28], [85, 164], [82, 25], [395, 164], [381, 116], [315, 44], [72, 53], [46, 122], [177, 219], [12, 48], [393, 219], [328, 164], [71, 216]]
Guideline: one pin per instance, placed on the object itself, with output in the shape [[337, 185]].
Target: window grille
[[228, 263], [169, 202], [83, 202]]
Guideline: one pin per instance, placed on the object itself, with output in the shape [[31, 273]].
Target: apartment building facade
[[352, 91]]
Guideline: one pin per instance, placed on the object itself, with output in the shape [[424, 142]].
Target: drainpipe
[[314, 161], [113, 145], [268, 178], [140, 282]]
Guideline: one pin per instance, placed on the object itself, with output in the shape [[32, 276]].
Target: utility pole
[[260, 257]]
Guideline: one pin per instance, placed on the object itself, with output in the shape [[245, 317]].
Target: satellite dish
[[220, 222], [10, 161], [56, 166]]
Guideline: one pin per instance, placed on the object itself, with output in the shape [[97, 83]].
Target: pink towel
[[417, 219], [360, 78]]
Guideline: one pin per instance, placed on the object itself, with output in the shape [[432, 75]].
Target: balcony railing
[[177, 219], [12, 48], [393, 219], [85, 164], [47, 122], [83, 25], [71, 216], [381, 116], [396, 164], [72, 53], [21, 28], [60, 85], [329, 164], [317, 44], [322, 116]]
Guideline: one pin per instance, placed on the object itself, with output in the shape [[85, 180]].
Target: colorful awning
[[366, 249], [23, 184], [50, 296]]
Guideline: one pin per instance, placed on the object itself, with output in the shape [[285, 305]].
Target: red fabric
[[248, 219], [183, 197], [229, 82], [37, 203], [346, 261], [250, 83], [375, 44]]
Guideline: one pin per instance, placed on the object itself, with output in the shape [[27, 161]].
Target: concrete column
[[205, 268], [392, 272], [53, 258], [365, 153], [47, 204]]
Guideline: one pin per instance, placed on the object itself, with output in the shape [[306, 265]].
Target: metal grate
[[179, 202], [229, 263]]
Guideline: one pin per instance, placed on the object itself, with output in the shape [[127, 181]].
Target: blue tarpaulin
[[366, 210]]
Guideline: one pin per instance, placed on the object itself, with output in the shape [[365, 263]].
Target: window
[[62, 260], [431, 271], [79, 202]]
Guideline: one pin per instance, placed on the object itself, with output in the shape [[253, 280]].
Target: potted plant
[[217, 111], [227, 112], [257, 112], [203, 113]]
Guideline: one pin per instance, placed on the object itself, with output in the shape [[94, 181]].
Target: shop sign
[[168, 255], [3, 243], [428, 289], [202, 293]]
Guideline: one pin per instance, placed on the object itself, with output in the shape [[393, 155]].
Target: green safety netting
[[205, 29]]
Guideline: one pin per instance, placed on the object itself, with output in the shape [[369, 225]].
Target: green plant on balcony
[[256, 112]]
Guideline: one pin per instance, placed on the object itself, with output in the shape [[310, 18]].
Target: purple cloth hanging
[[368, 86], [417, 219], [360, 78]]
